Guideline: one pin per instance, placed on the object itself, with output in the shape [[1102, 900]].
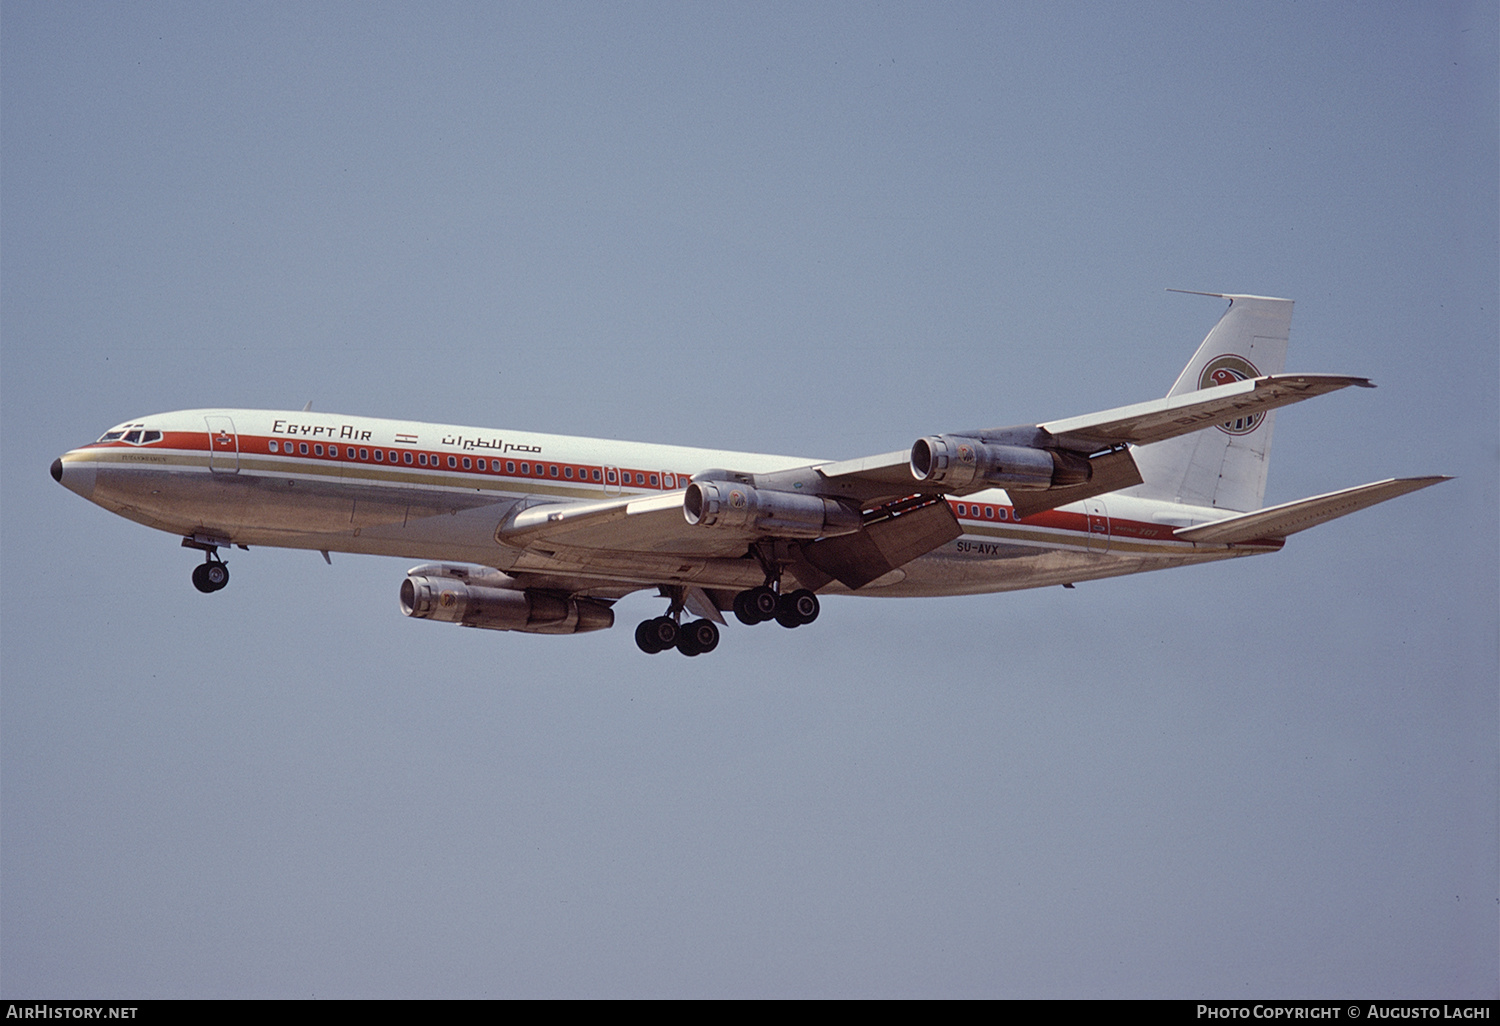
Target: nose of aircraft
[[74, 475]]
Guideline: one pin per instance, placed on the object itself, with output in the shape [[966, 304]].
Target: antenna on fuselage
[[308, 407]]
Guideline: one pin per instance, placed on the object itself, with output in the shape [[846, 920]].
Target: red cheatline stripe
[[583, 474]]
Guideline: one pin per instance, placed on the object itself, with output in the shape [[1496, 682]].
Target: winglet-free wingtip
[[1228, 295]]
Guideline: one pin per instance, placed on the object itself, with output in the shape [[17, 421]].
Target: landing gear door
[[223, 445]]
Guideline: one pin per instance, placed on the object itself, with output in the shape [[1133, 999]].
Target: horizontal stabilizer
[[1291, 517]]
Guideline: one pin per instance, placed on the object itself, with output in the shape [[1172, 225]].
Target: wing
[[1043, 466], [856, 520]]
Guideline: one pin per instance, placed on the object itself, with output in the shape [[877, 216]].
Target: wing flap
[[855, 560], [1291, 517]]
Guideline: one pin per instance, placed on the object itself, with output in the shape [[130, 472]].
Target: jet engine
[[480, 597], [959, 462], [786, 514]]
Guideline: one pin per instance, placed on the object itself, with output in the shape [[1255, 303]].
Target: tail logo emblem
[[1226, 370]]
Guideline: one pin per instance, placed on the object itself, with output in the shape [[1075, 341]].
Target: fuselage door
[[223, 445], [1098, 525], [612, 484]]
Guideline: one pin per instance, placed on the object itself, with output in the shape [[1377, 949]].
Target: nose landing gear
[[213, 573], [210, 575]]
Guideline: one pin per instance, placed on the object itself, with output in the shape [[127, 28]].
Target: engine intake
[[787, 514], [494, 601], [961, 462]]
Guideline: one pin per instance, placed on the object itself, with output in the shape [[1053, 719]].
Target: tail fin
[[1223, 466]]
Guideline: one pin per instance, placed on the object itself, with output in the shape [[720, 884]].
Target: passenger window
[[379, 456], [364, 454], [567, 471], [526, 468], [554, 470], [422, 458], [467, 464], [272, 445], [510, 466], [302, 448], [653, 480], [406, 457], [596, 475], [317, 449], [452, 462]]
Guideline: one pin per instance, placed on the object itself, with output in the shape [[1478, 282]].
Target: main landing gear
[[761, 604], [757, 605], [664, 632], [769, 602]]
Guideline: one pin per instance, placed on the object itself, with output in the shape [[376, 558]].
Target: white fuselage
[[438, 492]]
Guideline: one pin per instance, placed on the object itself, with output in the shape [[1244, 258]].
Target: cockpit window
[[135, 434]]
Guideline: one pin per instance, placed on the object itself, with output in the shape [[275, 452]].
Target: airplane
[[543, 533]]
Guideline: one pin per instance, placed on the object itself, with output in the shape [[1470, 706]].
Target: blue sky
[[821, 229]]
